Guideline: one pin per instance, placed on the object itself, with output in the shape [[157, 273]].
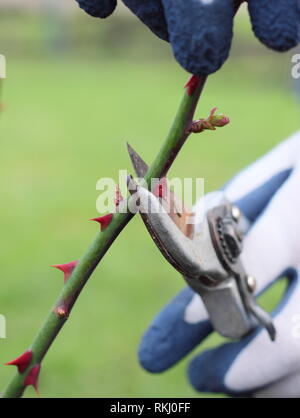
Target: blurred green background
[[77, 89]]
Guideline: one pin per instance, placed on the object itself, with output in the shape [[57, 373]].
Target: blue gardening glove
[[200, 31], [268, 194]]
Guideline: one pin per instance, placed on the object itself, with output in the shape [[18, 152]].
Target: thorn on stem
[[22, 362], [118, 198], [104, 221], [192, 84], [67, 268], [161, 189], [32, 377]]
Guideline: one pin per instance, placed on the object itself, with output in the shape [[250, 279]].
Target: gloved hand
[[200, 31], [268, 194]]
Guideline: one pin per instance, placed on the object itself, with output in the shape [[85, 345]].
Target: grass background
[[67, 118]]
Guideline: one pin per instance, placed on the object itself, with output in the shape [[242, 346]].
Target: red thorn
[[161, 188], [104, 221], [22, 362], [192, 84], [32, 378], [66, 269], [119, 197]]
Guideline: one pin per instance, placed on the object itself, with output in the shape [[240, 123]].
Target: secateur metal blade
[[177, 211], [206, 256]]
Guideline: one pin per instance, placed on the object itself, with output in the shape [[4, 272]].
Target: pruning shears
[[207, 254]]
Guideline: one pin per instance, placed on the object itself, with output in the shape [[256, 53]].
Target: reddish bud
[[33, 376], [104, 221], [22, 362], [211, 123], [119, 197], [218, 120], [221, 120], [192, 84], [67, 269]]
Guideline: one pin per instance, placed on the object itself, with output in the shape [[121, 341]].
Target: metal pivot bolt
[[235, 213], [251, 283]]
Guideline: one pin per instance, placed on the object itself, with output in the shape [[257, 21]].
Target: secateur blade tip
[[138, 163]]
